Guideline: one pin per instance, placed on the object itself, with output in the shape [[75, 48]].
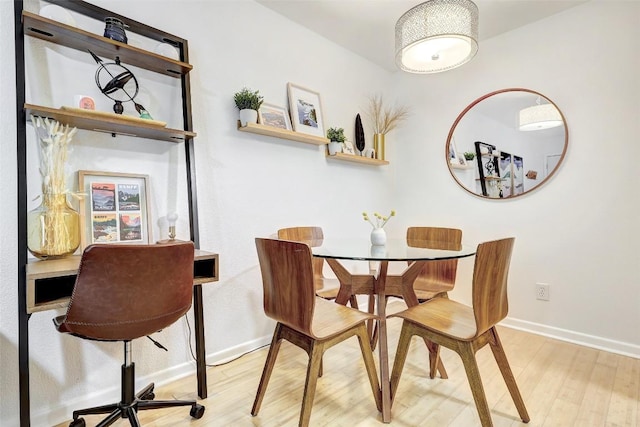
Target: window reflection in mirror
[[518, 138]]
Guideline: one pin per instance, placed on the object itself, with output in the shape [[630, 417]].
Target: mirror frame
[[482, 98]]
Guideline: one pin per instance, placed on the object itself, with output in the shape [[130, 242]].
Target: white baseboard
[[618, 347]]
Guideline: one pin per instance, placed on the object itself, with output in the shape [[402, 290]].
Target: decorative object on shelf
[[378, 235], [57, 13], [336, 138], [84, 102], [53, 228], [384, 121], [114, 29], [370, 153], [306, 110], [274, 115], [171, 219], [436, 36], [248, 102], [116, 209], [347, 148], [118, 83], [468, 156], [360, 139], [539, 117]]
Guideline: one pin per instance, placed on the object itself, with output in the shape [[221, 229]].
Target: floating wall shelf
[[358, 159], [282, 133]]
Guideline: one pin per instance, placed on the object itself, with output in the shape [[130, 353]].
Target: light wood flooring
[[562, 385]]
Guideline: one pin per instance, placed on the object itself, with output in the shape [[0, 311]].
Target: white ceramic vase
[[378, 237], [334, 147], [248, 116]]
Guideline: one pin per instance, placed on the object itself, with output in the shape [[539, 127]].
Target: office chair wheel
[[77, 423], [197, 411]]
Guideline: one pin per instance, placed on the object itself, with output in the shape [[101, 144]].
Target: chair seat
[[331, 319], [442, 315], [327, 288]]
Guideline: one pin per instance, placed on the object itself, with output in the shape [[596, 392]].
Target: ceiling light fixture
[[540, 116], [437, 35]]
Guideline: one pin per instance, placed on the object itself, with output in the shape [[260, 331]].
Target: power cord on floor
[[186, 319]]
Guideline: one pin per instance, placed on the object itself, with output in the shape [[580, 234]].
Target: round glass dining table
[[417, 252]]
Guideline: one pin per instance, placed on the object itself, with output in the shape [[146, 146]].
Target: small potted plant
[[336, 138], [248, 102], [468, 155]]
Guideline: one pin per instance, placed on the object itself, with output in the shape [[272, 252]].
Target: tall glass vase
[[53, 228]]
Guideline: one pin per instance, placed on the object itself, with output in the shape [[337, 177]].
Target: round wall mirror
[[507, 143]]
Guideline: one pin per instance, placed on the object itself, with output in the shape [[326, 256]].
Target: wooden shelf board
[[456, 166], [76, 38], [116, 126], [282, 133], [358, 159]]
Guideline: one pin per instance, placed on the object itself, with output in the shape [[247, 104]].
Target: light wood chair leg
[[315, 359], [367, 355], [475, 382], [401, 356], [371, 323], [507, 374], [268, 368]]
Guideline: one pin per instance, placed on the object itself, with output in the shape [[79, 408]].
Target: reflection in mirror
[[507, 143]]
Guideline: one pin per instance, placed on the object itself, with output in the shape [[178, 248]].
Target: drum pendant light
[[436, 36]]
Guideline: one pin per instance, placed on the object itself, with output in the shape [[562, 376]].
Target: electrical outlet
[[542, 292]]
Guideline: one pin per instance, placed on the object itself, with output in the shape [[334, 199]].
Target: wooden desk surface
[[50, 282]]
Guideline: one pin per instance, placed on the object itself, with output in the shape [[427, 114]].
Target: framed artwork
[[455, 158], [275, 116], [347, 147], [115, 208], [306, 110]]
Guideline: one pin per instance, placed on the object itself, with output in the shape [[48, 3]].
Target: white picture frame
[[348, 148], [306, 110]]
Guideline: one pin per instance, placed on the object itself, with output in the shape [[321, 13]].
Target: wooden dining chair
[[465, 329], [304, 319], [435, 279], [326, 288]]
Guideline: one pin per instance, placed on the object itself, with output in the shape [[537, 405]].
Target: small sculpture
[[119, 84]]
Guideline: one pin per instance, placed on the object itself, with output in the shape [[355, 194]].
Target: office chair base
[[129, 407]]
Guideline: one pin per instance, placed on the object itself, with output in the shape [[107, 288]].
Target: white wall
[[577, 233], [248, 185]]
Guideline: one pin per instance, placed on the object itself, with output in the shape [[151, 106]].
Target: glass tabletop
[[394, 250]]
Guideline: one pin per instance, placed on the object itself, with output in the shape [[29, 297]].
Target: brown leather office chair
[[307, 321], [467, 329], [124, 292], [434, 280], [313, 236]]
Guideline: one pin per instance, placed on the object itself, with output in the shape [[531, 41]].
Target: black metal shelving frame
[[98, 13]]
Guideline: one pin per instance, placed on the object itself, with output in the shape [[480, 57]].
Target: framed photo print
[[115, 208], [306, 110], [273, 115]]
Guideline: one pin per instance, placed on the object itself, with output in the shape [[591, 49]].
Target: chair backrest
[[436, 274], [312, 236], [287, 280], [490, 274], [124, 292]]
